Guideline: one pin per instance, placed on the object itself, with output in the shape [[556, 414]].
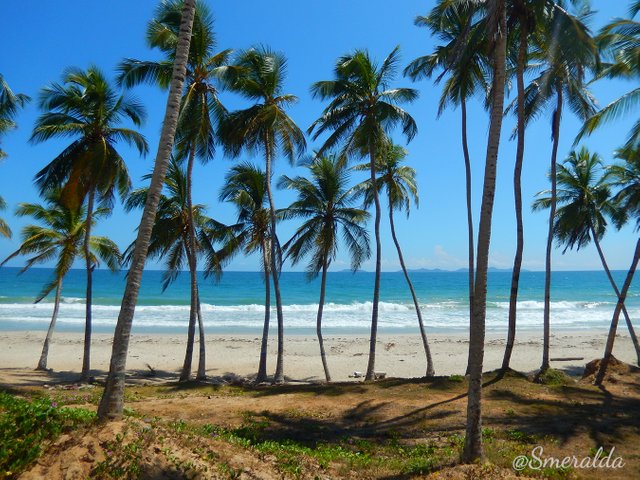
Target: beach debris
[[376, 375], [152, 371], [566, 359], [389, 346]]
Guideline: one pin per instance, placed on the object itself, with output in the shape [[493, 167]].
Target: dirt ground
[[394, 428]]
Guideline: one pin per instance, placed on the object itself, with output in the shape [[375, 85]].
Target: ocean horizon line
[[345, 270]]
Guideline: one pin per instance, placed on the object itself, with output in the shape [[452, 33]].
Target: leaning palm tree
[[619, 41], [586, 203], [5, 231], [566, 51], [112, 401], [59, 237], [463, 67], [399, 182], [325, 204], [86, 108], [10, 103], [200, 111], [246, 188], [627, 177], [363, 109], [264, 127], [496, 33], [171, 242]]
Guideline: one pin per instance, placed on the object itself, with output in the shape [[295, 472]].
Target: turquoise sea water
[[580, 300]]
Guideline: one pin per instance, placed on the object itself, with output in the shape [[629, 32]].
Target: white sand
[[399, 355]]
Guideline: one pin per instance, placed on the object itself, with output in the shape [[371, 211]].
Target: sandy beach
[[399, 355]]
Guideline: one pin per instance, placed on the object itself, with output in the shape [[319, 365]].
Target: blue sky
[[54, 35]]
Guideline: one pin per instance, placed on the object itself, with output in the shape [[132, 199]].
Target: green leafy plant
[[27, 426]]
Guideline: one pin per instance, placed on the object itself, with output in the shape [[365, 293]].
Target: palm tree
[[59, 236], [10, 103], [5, 231], [496, 32], [200, 111], [267, 128], [626, 176], [399, 181], [171, 240], [112, 401], [87, 108], [362, 110], [463, 64], [324, 202], [245, 187], [620, 43], [566, 50], [523, 18], [585, 200]]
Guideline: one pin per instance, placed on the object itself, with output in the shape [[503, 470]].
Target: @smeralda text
[[538, 461]]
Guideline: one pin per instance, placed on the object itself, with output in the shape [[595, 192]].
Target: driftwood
[[376, 375], [566, 359]]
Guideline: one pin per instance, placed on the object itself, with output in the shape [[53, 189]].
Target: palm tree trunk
[[473, 437], [275, 271], [323, 285], [416, 304], [262, 365], [467, 168], [42, 363], [86, 359], [632, 331], [202, 353], [546, 343], [517, 193], [370, 375], [616, 315], [112, 401], [193, 274]]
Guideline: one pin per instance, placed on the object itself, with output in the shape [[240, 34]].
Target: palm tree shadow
[[601, 414]]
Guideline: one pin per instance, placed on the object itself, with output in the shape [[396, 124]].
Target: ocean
[[580, 300]]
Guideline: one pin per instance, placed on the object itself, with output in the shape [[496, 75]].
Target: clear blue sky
[[41, 39]]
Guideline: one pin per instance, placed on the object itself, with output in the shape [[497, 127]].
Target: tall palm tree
[[5, 231], [59, 237], [86, 107], [363, 109], [10, 103], [586, 203], [496, 33], [245, 187], [566, 51], [324, 202], [112, 401], [523, 17], [399, 182], [200, 112], [619, 41], [171, 240], [463, 67], [626, 176], [264, 127]]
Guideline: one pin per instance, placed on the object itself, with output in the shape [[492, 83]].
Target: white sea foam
[[445, 314]]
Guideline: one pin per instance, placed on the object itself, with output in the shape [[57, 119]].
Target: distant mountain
[[434, 270], [440, 270], [429, 270]]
